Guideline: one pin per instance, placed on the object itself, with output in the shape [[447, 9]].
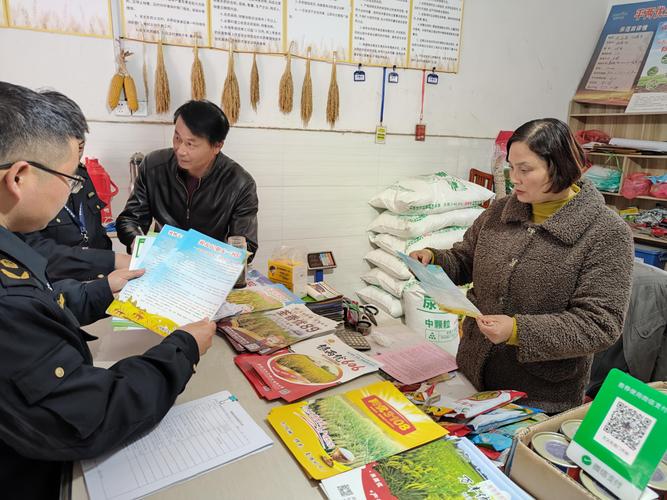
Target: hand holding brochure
[[440, 288], [188, 276]]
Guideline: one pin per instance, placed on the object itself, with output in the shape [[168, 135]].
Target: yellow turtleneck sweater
[[541, 212]]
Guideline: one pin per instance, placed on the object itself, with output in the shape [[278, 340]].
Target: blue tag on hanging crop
[[432, 78], [359, 76]]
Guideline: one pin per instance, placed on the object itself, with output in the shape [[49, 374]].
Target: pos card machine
[[319, 261]]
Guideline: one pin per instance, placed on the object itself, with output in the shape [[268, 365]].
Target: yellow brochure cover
[[338, 433]]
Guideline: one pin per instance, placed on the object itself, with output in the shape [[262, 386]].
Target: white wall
[[520, 59]]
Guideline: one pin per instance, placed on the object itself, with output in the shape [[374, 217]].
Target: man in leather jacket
[[193, 185]]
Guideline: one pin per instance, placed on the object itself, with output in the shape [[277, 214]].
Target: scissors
[[359, 316]]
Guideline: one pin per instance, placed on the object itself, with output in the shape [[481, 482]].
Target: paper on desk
[[416, 363], [440, 288], [192, 439]]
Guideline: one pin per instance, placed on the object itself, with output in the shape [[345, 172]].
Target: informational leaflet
[[78, 17], [651, 90], [256, 25], [192, 439], [618, 62], [416, 363], [436, 34], [440, 288], [191, 283], [324, 26], [168, 239], [620, 53], [177, 21], [380, 33]]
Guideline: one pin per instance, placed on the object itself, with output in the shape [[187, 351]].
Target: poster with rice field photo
[[338, 433], [311, 366], [440, 469], [74, 17]]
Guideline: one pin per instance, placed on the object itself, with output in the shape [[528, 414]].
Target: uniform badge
[[61, 301], [7, 264]]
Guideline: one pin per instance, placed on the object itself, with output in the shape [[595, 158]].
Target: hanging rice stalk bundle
[[254, 83], [231, 100], [286, 92], [162, 96], [307, 94], [197, 81], [333, 101]]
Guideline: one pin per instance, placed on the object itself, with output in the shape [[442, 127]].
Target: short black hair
[[552, 140], [204, 119], [32, 127], [71, 108]]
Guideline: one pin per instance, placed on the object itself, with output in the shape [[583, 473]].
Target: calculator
[[353, 338]]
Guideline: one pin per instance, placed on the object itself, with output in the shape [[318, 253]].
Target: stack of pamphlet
[[305, 368], [270, 331], [188, 276], [445, 468], [338, 433], [322, 299]]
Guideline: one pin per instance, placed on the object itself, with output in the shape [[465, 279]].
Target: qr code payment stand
[[536, 475]]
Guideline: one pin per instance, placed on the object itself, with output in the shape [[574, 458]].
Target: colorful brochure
[[441, 288], [184, 282], [622, 437], [480, 402], [310, 366], [445, 468], [338, 433], [270, 331]]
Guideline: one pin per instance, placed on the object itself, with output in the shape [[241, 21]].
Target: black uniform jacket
[[70, 254], [224, 204], [55, 406]]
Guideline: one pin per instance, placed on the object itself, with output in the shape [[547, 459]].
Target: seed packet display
[[310, 366]]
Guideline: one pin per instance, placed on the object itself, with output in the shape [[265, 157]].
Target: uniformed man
[[55, 406], [75, 243]]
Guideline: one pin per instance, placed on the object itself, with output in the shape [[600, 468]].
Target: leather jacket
[[224, 204]]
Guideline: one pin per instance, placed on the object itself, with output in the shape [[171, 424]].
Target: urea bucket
[[552, 446]]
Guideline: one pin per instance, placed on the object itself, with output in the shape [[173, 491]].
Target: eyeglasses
[[75, 182]]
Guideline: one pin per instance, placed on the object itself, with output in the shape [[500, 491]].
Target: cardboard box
[[536, 475]]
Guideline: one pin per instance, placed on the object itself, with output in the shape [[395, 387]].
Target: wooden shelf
[[613, 121], [647, 238], [584, 115], [647, 157], [637, 197]]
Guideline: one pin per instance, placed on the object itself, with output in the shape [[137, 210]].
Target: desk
[[270, 474]]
